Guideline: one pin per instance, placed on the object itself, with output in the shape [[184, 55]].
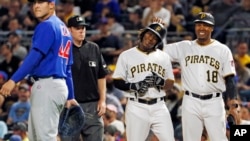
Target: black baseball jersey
[[88, 67]]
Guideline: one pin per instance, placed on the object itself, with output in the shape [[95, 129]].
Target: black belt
[[149, 102], [46, 77], [202, 97]]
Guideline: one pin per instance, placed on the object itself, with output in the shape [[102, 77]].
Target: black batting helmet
[[158, 29], [205, 17]]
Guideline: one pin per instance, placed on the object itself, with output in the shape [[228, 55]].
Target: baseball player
[[207, 71], [49, 64], [143, 72]]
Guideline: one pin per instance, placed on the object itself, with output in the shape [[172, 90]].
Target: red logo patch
[[232, 63]]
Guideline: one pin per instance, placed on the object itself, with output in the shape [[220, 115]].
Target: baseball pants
[[48, 97], [141, 118], [198, 113]]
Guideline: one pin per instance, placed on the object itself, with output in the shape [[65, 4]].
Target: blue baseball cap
[[43, 0]]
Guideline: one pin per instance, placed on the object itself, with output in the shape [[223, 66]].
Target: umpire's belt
[[203, 97], [149, 102]]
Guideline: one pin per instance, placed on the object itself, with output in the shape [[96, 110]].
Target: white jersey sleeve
[[121, 67], [228, 64]]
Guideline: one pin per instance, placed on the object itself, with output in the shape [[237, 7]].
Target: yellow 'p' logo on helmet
[[203, 15], [158, 28]]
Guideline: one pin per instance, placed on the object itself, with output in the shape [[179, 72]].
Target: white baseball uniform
[[203, 69], [133, 66]]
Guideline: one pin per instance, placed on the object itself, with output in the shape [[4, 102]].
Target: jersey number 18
[[212, 76]]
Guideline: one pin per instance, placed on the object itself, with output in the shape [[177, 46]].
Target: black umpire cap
[[76, 21], [205, 17]]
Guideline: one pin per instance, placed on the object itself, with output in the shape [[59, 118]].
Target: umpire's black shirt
[[88, 67]]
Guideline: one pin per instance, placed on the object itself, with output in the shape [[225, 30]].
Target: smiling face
[[203, 32]]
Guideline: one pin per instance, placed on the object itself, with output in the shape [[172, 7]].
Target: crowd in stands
[[112, 19]]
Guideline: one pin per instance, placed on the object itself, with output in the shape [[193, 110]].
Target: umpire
[[88, 71]]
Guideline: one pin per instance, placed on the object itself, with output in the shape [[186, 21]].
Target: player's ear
[[212, 28], [52, 6]]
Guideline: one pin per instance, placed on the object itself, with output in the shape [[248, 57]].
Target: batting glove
[[155, 81], [140, 88], [158, 80]]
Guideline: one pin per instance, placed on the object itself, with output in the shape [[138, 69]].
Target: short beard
[[202, 41]]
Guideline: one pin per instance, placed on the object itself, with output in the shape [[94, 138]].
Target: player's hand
[[70, 103], [158, 81], [7, 88], [140, 87], [155, 81]]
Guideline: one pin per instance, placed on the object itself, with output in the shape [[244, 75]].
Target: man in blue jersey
[[49, 64]]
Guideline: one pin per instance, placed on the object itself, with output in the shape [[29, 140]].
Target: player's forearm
[[231, 90], [102, 88], [27, 66], [121, 84], [69, 83]]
